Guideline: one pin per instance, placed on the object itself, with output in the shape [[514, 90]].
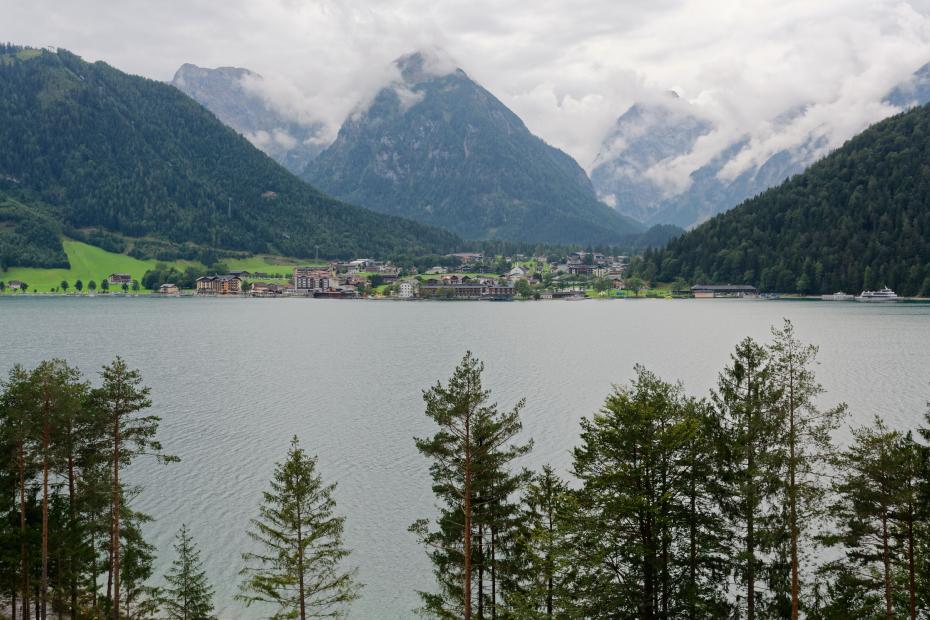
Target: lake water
[[234, 379]]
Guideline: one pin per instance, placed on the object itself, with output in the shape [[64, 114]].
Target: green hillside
[[858, 219], [87, 263], [137, 157]]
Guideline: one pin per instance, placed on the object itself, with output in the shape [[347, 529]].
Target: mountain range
[[857, 219], [87, 149], [652, 141], [438, 148]]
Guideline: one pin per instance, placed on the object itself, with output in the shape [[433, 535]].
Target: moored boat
[[885, 294], [838, 297]]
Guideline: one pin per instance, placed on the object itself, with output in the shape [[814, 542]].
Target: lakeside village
[[468, 276], [464, 276]]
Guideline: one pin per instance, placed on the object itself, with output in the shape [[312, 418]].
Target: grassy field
[[87, 263], [268, 264], [92, 263]]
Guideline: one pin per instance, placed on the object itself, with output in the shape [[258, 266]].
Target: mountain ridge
[[857, 219], [441, 149], [137, 157]]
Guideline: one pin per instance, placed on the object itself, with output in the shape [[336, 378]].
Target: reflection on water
[[234, 379]]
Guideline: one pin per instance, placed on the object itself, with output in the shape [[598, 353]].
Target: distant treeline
[[737, 505]]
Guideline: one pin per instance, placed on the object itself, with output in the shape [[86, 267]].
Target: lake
[[235, 379]]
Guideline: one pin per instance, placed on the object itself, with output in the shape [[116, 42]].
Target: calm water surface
[[234, 379]]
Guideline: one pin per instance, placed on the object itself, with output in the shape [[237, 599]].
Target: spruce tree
[[188, 594], [543, 591], [873, 514], [471, 455], [299, 567], [806, 434], [751, 457]]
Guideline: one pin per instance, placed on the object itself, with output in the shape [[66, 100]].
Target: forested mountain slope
[[232, 93], [439, 148], [858, 219], [137, 157]]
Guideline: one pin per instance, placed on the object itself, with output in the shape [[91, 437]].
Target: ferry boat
[[885, 294], [838, 297]]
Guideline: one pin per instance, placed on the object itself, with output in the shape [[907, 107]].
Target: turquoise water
[[234, 379]]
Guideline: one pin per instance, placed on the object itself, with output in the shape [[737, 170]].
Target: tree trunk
[[43, 586], [93, 568], [886, 561], [116, 515], [550, 569], [793, 499], [22, 530], [72, 527], [300, 566], [750, 551], [750, 511], [692, 546], [466, 509], [911, 569], [493, 575], [479, 547]]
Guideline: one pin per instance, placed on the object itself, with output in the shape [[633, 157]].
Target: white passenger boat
[[885, 294]]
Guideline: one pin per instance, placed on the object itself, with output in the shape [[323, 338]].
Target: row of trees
[[92, 285], [738, 505], [72, 544], [69, 524], [79, 286], [680, 507]]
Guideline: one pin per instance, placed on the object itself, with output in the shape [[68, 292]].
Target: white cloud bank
[[567, 68]]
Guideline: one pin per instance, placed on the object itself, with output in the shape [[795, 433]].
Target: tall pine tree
[[751, 459], [806, 434], [471, 455]]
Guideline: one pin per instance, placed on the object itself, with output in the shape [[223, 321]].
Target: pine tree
[[299, 568], [543, 592], [751, 458], [923, 531], [806, 433], [641, 530], [187, 595], [56, 396], [119, 401], [471, 454], [873, 497], [17, 424]]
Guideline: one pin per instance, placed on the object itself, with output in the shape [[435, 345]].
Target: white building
[[406, 290]]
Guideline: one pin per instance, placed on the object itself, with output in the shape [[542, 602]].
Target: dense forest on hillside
[[29, 235], [858, 219], [138, 157]]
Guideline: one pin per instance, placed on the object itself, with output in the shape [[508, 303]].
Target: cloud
[[568, 69]]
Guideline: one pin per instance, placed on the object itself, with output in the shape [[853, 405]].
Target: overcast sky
[[568, 68]]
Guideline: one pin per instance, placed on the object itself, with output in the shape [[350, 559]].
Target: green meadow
[[92, 263]]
